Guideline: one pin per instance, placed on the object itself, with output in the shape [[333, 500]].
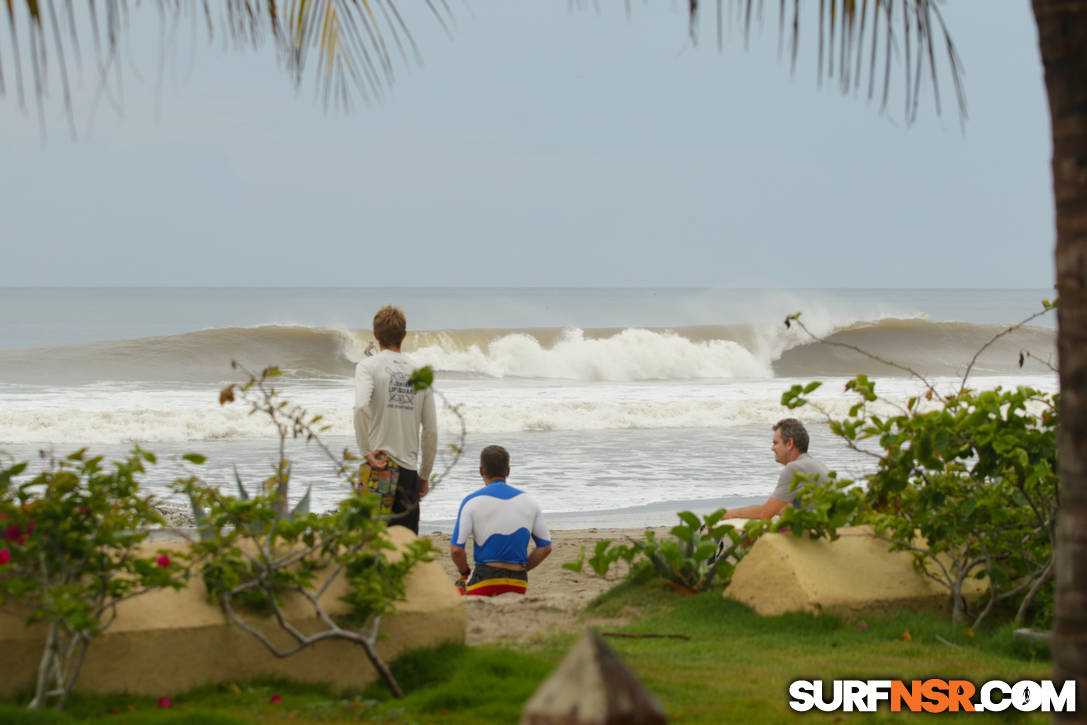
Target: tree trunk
[[1062, 37], [46, 667], [382, 669]]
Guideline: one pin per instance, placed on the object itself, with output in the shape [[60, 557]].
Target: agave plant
[[206, 528]]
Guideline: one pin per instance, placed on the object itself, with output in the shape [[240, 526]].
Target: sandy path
[[555, 595]]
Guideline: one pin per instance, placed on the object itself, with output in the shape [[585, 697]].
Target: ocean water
[[619, 406]]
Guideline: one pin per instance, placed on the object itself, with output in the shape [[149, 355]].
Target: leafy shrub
[[695, 554], [255, 553], [69, 552], [967, 483], [70, 555]]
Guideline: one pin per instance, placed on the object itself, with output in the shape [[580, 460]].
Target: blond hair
[[390, 326]]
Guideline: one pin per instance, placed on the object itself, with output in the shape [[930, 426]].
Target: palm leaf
[[354, 45], [902, 37]]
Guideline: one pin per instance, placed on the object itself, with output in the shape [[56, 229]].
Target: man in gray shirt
[[791, 449], [395, 425]]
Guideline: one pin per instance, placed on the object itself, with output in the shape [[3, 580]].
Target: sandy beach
[[555, 595]]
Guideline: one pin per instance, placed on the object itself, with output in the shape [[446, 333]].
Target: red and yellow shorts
[[489, 581]]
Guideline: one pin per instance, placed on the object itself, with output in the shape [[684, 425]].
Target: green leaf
[[690, 519], [576, 565], [422, 378]]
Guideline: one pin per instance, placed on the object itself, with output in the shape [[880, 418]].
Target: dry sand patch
[[555, 598]]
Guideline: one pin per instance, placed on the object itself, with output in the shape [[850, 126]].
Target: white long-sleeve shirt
[[389, 413]]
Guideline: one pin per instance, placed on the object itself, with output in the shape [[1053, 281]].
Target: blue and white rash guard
[[500, 518]]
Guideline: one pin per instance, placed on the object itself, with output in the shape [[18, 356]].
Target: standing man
[[500, 519], [790, 447], [389, 414]]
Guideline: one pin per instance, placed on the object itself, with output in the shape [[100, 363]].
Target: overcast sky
[[539, 147]]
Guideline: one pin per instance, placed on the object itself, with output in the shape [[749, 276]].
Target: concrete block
[[855, 573]]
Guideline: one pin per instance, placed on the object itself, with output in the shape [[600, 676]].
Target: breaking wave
[[601, 354]]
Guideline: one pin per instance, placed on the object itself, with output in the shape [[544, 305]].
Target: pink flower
[[15, 532], [163, 561], [165, 702], [5, 556], [275, 699]]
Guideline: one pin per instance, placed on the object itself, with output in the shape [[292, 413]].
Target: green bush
[[967, 483], [70, 555], [253, 551], [695, 554], [70, 535]]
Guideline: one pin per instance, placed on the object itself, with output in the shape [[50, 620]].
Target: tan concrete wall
[[855, 573], [167, 642]]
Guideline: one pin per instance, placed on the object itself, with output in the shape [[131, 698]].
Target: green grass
[[735, 667]]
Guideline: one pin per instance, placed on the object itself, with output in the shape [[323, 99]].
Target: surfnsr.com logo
[[932, 695]]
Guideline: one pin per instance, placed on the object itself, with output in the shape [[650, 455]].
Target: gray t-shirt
[[803, 464], [389, 412]]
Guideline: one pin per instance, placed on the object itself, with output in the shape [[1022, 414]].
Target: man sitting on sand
[[790, 447], [500, 519]]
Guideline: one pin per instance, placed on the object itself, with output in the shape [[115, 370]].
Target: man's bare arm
[[429, 439], [459, 557], [766, 510], [538, 555]]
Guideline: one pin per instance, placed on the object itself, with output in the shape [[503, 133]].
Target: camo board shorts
[[382, 481]]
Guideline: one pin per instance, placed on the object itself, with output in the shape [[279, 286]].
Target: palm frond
[[903, 33], [354, 46]]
